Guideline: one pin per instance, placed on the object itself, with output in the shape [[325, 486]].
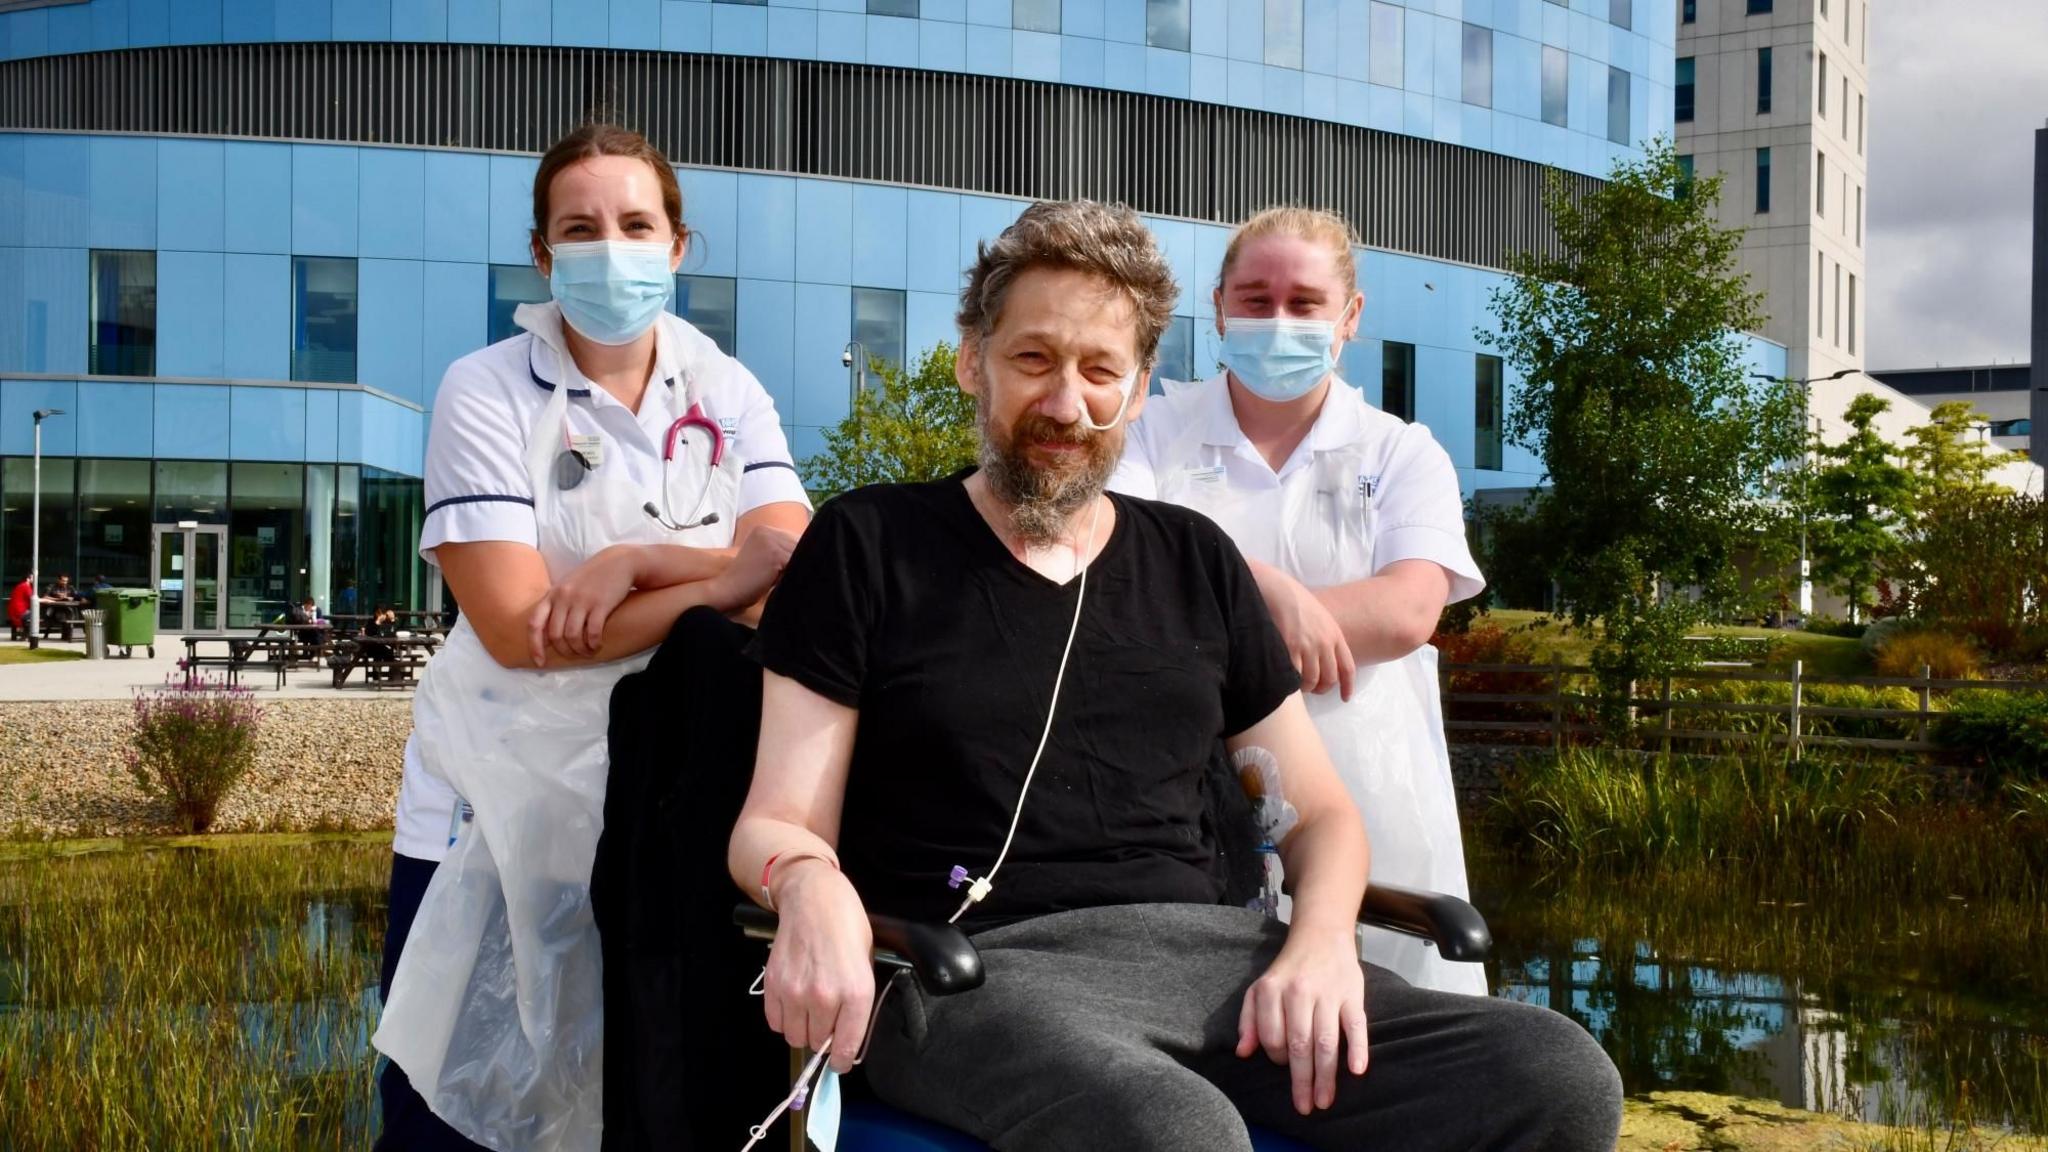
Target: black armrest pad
[[1457, 928], [940, 955]]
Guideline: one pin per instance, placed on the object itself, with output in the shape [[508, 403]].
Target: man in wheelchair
[[1006, 698]]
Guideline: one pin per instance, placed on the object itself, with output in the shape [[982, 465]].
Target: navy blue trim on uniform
[[534, 372], [768, 464], [440, 504]]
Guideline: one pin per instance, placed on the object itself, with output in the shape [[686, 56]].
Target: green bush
[[192, 743], [2006, 732], [1833, 626], [1779, 693]]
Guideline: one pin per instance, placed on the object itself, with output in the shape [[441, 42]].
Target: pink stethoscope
[[694, 418]]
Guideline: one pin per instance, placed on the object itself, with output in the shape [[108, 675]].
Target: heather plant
[[193, 741]]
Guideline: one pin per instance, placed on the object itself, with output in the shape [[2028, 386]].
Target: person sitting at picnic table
[[304, 612], [61, 592], [100, 584], [18, 605]]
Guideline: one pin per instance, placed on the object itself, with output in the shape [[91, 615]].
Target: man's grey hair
[[1106, 240]]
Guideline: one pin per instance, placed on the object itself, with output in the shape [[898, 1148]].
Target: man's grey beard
[[1039, 501]]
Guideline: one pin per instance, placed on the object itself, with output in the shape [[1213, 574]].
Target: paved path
[[117, 679]]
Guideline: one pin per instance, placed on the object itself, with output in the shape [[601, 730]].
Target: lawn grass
[[23, 654], [1558, 640]]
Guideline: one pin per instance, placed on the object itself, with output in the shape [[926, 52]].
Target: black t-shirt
[[900, 601]]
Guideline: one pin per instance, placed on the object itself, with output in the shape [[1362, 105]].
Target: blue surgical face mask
[[611, 290], [1279, 360]]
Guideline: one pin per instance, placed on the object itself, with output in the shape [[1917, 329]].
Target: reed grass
[[189, 999]]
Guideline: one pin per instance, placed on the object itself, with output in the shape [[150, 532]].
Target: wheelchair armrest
[[940, 955], [1457, 928]]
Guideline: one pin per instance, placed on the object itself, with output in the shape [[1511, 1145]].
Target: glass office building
[[241, 240]]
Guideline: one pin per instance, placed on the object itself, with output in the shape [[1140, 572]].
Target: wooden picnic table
[[238, 653], [308, 643], [386, 661], [63, 616]]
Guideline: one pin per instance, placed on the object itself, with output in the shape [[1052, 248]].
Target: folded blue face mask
[[611, 290], [1279, 360]]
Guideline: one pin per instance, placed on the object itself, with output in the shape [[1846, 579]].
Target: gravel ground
[[322, 764]]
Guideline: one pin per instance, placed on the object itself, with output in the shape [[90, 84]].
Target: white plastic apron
[[496, 1009], [1387, 742]]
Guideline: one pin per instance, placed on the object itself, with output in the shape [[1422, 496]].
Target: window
[[1166, 24], [1033, 15], [1617, 105], [893, 8], [1556, 85], [1176, 354], [1621, 13], [58, 514], [1838, 305], [1845, 107], [1863, 36], [113, 523], [1389, 43], [1561, 3], [1683, 93], [1820, 294], [878, 324], [266, 540], [1859, 123], [511, 286], [191, 490], [1685, 175], [1486, 413], [1859, 215], [123, 314], [1820, 184], [1823, 9], [1283, 33], [1397, 380], [1823, 109], [708, 303], [323, 319], [1688, 11], [1759, 7], [1763, 80], [1478, 66], [1852, 313], [1763, 180]]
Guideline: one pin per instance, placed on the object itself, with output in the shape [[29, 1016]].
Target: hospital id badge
[[1210, 475], [590, 447]]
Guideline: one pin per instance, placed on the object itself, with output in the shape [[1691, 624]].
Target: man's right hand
[[820, 982], [1314, 638], [754, 569]]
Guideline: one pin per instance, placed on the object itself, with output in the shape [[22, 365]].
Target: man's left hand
[[1311, 997]]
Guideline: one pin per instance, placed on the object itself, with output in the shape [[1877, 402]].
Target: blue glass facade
[[255, 241]]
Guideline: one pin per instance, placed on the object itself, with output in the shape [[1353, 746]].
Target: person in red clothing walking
[[18, 605]]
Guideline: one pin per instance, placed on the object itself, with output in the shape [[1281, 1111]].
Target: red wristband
[[768, 870]]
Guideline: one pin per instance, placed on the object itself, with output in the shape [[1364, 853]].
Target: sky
[[1957, 89]]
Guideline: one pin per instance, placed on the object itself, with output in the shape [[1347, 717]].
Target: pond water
[[1702, 987]]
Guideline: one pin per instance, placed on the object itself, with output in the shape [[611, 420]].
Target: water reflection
[[1842, 1026]]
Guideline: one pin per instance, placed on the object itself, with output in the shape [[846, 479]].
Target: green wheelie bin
[[131, 619]]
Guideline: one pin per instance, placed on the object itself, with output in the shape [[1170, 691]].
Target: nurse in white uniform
[[1354, 527], [587, 481]]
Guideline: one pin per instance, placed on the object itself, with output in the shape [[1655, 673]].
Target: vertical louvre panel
[[933, 129]]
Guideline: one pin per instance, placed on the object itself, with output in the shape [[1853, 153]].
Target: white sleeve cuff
[[473, 519], [771, 482], [1425, 542]]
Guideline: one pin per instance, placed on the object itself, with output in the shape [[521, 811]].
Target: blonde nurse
[[1354, 527]]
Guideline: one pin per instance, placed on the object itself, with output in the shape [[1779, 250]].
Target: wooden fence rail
[[1562, 706]]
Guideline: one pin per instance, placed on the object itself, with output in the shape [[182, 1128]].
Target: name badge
[[1368, 486], [730, 425], [1210, 475], [590, 447]]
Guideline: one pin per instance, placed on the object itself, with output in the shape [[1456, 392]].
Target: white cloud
[[1957, 89]]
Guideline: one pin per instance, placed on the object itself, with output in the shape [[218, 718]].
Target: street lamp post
[[855, 357], [1808, 423], [35, 538]]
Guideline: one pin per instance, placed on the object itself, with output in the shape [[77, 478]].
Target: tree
[[1946, 459], [917, 425], [1861, 501], [1660, 450]]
